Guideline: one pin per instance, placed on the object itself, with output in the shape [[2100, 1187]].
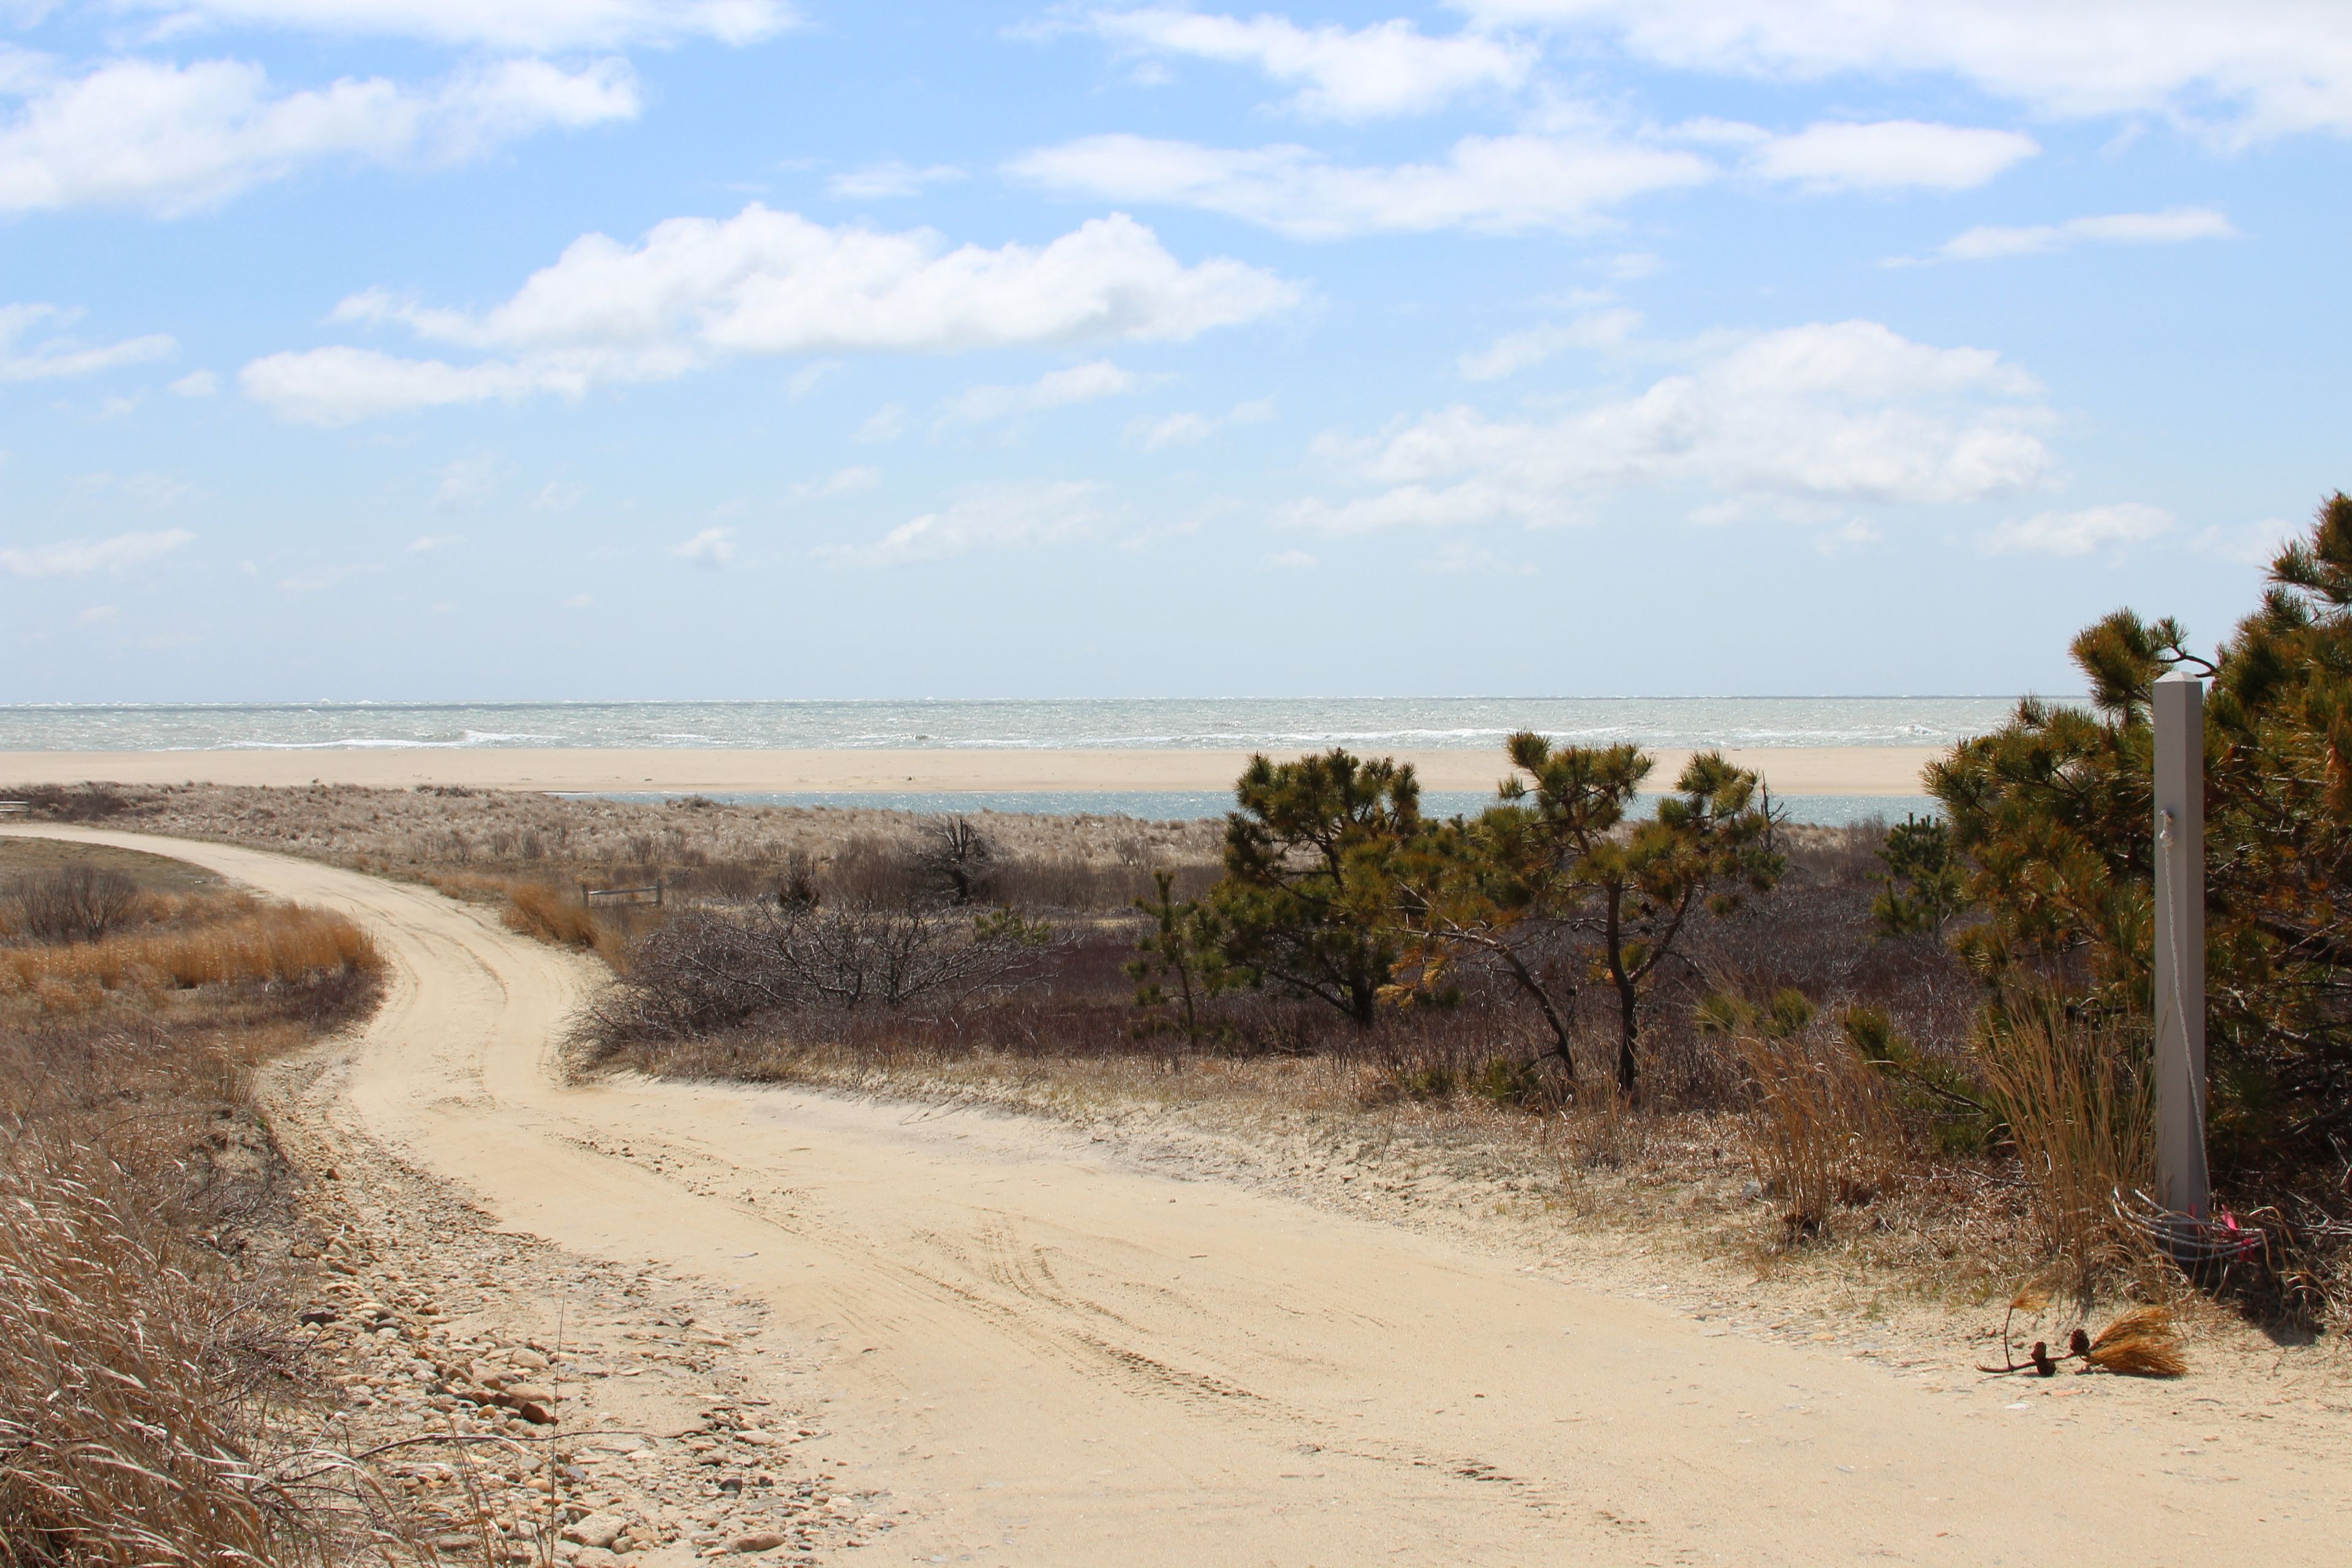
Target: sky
[[746, 349]]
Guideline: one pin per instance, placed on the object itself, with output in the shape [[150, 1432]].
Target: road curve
[[1057, 1358]]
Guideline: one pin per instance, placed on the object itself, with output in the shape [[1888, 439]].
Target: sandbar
[[1789, 770]]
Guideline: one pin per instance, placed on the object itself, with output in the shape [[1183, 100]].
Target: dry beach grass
[[145, 1368]]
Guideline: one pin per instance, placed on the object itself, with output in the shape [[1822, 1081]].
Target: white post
[[2181, 1185]]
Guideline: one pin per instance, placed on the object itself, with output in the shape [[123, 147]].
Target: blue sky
[[414, 349]]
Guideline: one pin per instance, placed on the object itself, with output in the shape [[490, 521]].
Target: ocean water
[[1359, 723]]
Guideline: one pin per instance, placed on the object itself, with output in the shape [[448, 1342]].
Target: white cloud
[[80, 557], [1087, 383], [887, 423], [1388, 68], [323, 578], [1005, 517], [100, 616], [196, 384], [2252, 68], [146, 490], [426, 544], [1796, 421], [1291, 560], [2080, 532], [337, 385], [846, 481], [54, 356], [711, 547], [1496, 184], [880, 181], [2256, 543], [805, 379], [1456, 558], [469, 482], [500, 24], [559, 495], [1890, 154], [699, 291], [1987, 243], [580, 602], [1187, 429], [173, 139], [1516, 352]]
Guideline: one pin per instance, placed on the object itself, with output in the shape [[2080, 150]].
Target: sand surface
[[1052, 1352], [1789, 769]]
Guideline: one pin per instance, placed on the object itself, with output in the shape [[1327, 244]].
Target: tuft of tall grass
[[1819, 1131], [275, 943], [2079, 1102], [539, 909]]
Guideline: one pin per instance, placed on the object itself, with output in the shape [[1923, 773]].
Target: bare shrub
[[725, 879], [711, 968], [954, 856], [86, 802], [74, 903], [869, 869]]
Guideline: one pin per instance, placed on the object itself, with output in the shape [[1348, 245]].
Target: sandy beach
[[1791, 770]]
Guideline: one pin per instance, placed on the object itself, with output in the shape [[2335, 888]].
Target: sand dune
[[1791, 770]]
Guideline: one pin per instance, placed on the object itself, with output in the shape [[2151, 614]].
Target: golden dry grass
[[266, 944], [540, 910]]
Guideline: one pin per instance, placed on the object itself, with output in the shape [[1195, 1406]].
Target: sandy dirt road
[[1052, 1354]]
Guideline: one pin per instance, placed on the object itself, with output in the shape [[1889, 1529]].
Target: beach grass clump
[[541, 910], [1818, 1130], [2076, 1098]]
